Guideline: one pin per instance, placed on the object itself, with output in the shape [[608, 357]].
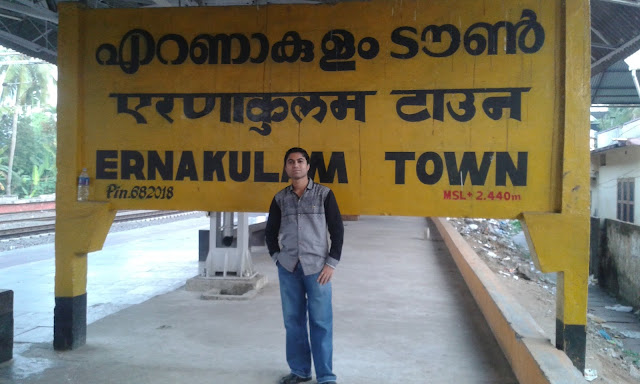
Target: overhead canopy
[[31, 27], [615, 35], [614, 87]]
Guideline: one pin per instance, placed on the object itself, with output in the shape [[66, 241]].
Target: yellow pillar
[[81, 227], [560, 241]]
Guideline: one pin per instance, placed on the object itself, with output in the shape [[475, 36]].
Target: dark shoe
[[293, 379]]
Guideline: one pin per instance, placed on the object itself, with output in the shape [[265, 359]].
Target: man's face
[[296, 166]]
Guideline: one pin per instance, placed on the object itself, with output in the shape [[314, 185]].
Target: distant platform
[[14, 205]]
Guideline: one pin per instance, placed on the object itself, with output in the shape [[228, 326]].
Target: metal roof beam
[[98, 4], [614, 71], [41, 14], [43, 36], [631, 3], [602, 64], [30, 3], [601, 36], [162, 3], [602, 46], [33, 47]]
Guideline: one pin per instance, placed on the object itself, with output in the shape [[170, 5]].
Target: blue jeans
[[299, 294]]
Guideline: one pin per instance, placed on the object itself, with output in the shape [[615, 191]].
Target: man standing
[[299, 216]]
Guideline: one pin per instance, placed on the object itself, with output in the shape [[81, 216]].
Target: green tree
[[24, 86], [617, 116], [34, 170]]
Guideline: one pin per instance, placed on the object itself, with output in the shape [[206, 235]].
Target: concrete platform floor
[[402, 314]]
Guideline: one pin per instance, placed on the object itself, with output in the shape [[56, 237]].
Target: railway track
[[16, 228]]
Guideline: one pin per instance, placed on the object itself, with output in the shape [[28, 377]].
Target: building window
[[624, 211], [603, 159]]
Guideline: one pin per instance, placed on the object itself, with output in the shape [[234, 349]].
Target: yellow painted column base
[[560, 243], [80, 228]]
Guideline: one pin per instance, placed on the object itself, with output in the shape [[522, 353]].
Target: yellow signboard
[[438, 108], [426, 108]]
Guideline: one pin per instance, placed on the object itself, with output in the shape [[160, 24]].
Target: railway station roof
[[31, 27]]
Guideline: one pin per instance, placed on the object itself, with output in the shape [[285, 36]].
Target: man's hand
[[325, 275]]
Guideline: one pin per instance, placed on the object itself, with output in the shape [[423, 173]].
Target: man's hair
[[296, 150]]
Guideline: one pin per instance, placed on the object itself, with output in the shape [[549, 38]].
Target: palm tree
[[24, 86]]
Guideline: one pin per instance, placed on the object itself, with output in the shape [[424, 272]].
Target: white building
[[615, 169]]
